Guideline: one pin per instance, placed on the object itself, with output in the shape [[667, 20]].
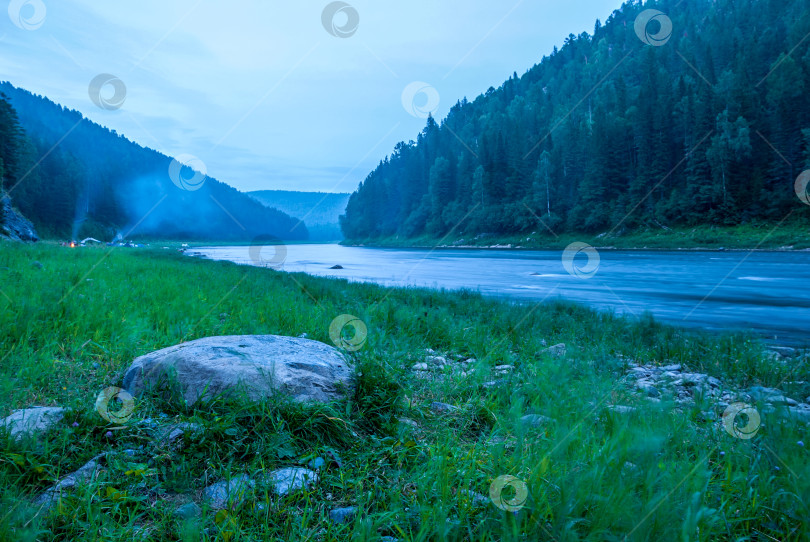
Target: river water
[[767, 292]]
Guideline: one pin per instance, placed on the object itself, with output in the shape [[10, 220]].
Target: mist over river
[[767, 292]]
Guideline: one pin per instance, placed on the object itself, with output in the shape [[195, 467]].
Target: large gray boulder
[[258, 365], [32, 421]]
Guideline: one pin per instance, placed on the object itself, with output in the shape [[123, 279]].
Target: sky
[[306, 95]]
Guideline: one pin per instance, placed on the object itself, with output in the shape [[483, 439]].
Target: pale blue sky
[[260, 91]]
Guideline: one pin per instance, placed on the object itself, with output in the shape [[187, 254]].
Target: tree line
[[609, 133], [74, 178]]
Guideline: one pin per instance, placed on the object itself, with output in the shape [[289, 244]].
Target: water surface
[[762, 291]]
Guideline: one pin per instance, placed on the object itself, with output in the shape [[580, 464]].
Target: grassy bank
[[786, 236], [71, 320]]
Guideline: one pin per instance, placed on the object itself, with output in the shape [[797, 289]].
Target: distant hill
[[320, 210], [74, 178]]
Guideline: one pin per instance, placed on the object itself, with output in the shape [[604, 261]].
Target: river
[[764, 292]]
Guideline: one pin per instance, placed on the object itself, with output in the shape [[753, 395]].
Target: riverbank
[[599, 454], [792, 236]]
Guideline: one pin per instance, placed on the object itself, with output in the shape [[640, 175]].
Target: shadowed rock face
[[258, 365], [13, 225]]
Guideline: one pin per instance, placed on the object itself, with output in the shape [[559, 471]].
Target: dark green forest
[[74, 178], [609, 134]]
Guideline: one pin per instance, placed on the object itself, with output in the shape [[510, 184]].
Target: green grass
[[72, 320], [793, 235]]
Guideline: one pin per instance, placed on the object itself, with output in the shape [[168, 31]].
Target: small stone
[[783, 351], [290, 479], [558, 350], [188, 511], [96, 365], [781, 400], [421, 367], [759, 393], [476, 498], [504, 369], [647, 387], [437, 406], [338, 266], [621, 409], [170, 434], [671, 368], [437, 360], [692, 379], [36, 264], [535, 420], [228, 493], [800, 444], [470, 361], [343, 515], [408, 421], [316, 463]]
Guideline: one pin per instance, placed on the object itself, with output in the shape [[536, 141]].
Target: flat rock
[[69, 482], [558, 350], [343, 515], [169, 435], [258, 365], [437, 406], [798, 414], [535, 420], [32, 421], [228, 493], [289, 479], [758, 393], [621, 409], [781, 400]]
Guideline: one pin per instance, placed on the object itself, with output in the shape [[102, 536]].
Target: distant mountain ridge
[[320, 210], [73, 177]]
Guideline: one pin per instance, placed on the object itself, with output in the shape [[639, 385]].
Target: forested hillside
[[609, 133], [321, 211], [72, 177]]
